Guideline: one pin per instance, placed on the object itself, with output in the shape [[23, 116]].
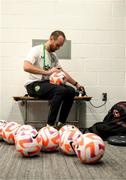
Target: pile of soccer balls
[[88, 147]]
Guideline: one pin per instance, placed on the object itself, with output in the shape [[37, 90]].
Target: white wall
[[125, 40], [96, 28], [0, 86], [125, 44]]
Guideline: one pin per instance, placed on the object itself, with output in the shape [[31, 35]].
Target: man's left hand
[[81, 88]]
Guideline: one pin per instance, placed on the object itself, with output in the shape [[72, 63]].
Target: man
[[40, 63]]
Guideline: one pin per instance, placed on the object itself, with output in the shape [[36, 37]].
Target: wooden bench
[[25, 99]]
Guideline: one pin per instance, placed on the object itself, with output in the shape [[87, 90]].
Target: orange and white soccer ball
[[57, 78], [67, 127], [68, 137], [28, 145], [2, 124], [50, 138], [89, 148], [9, 131], [25, 129]]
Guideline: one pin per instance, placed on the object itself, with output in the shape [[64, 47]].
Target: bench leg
[[77, 113], [25, 118]]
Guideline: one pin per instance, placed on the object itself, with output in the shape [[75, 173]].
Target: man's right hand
[[53, 69]]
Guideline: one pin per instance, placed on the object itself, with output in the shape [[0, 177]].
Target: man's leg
[[67, 103], [57, 98], [55, 93]]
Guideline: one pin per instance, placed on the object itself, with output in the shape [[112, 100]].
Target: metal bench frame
[[25, 99]]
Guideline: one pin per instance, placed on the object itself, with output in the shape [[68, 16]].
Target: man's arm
[[73, 82], [29, 67]]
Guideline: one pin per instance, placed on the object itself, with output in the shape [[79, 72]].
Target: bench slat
[[21, 98]]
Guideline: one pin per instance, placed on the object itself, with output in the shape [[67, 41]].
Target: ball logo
[[66, 138]]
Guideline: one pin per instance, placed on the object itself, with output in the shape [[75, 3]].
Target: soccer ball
[[67, 127], [9, 131], [57, 78], [2, 124], [28, 145], [67, 138], [89, 148], [25, 129], [50, 138]]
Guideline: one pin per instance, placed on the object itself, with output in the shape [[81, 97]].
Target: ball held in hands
[[58, 78]]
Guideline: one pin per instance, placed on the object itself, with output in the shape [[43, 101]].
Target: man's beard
[[52, 49]]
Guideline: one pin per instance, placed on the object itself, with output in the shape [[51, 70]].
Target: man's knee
[[66, 91], [70, 91], [61, 91]]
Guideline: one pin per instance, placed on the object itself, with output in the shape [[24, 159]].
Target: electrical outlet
[[104, 96]]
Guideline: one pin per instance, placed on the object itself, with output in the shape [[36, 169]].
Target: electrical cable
[[97, 106], [82, 92]]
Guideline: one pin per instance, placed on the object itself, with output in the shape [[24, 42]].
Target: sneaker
[[84, 131], [59, 125], [47, 125]]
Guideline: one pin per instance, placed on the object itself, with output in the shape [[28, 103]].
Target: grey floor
[[56, 166]]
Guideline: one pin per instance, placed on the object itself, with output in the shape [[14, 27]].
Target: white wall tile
[[85, 9], [15, 49], [24, 35], [13, 77], [96, 36], [118, 9], [113, 92], [111, 78], [76, 36], [0, 93], [108, 65], [28, 7], [125, 23], [96, 1], [85, 78], [71, 22], [12, 63], [73, 65], [97, 51], [107, 1]]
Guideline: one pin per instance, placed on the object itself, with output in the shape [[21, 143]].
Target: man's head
[[55, 41]]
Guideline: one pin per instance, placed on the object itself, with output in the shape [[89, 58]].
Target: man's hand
[[81, 88], [53, 69]]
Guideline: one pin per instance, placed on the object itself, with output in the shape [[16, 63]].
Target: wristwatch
[[75, 83]]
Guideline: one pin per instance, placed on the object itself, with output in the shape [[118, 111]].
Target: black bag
[[114, 122]]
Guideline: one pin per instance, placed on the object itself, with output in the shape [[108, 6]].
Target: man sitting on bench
[[40, 63]]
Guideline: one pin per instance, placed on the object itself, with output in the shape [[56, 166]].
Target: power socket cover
[[104, 96]]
